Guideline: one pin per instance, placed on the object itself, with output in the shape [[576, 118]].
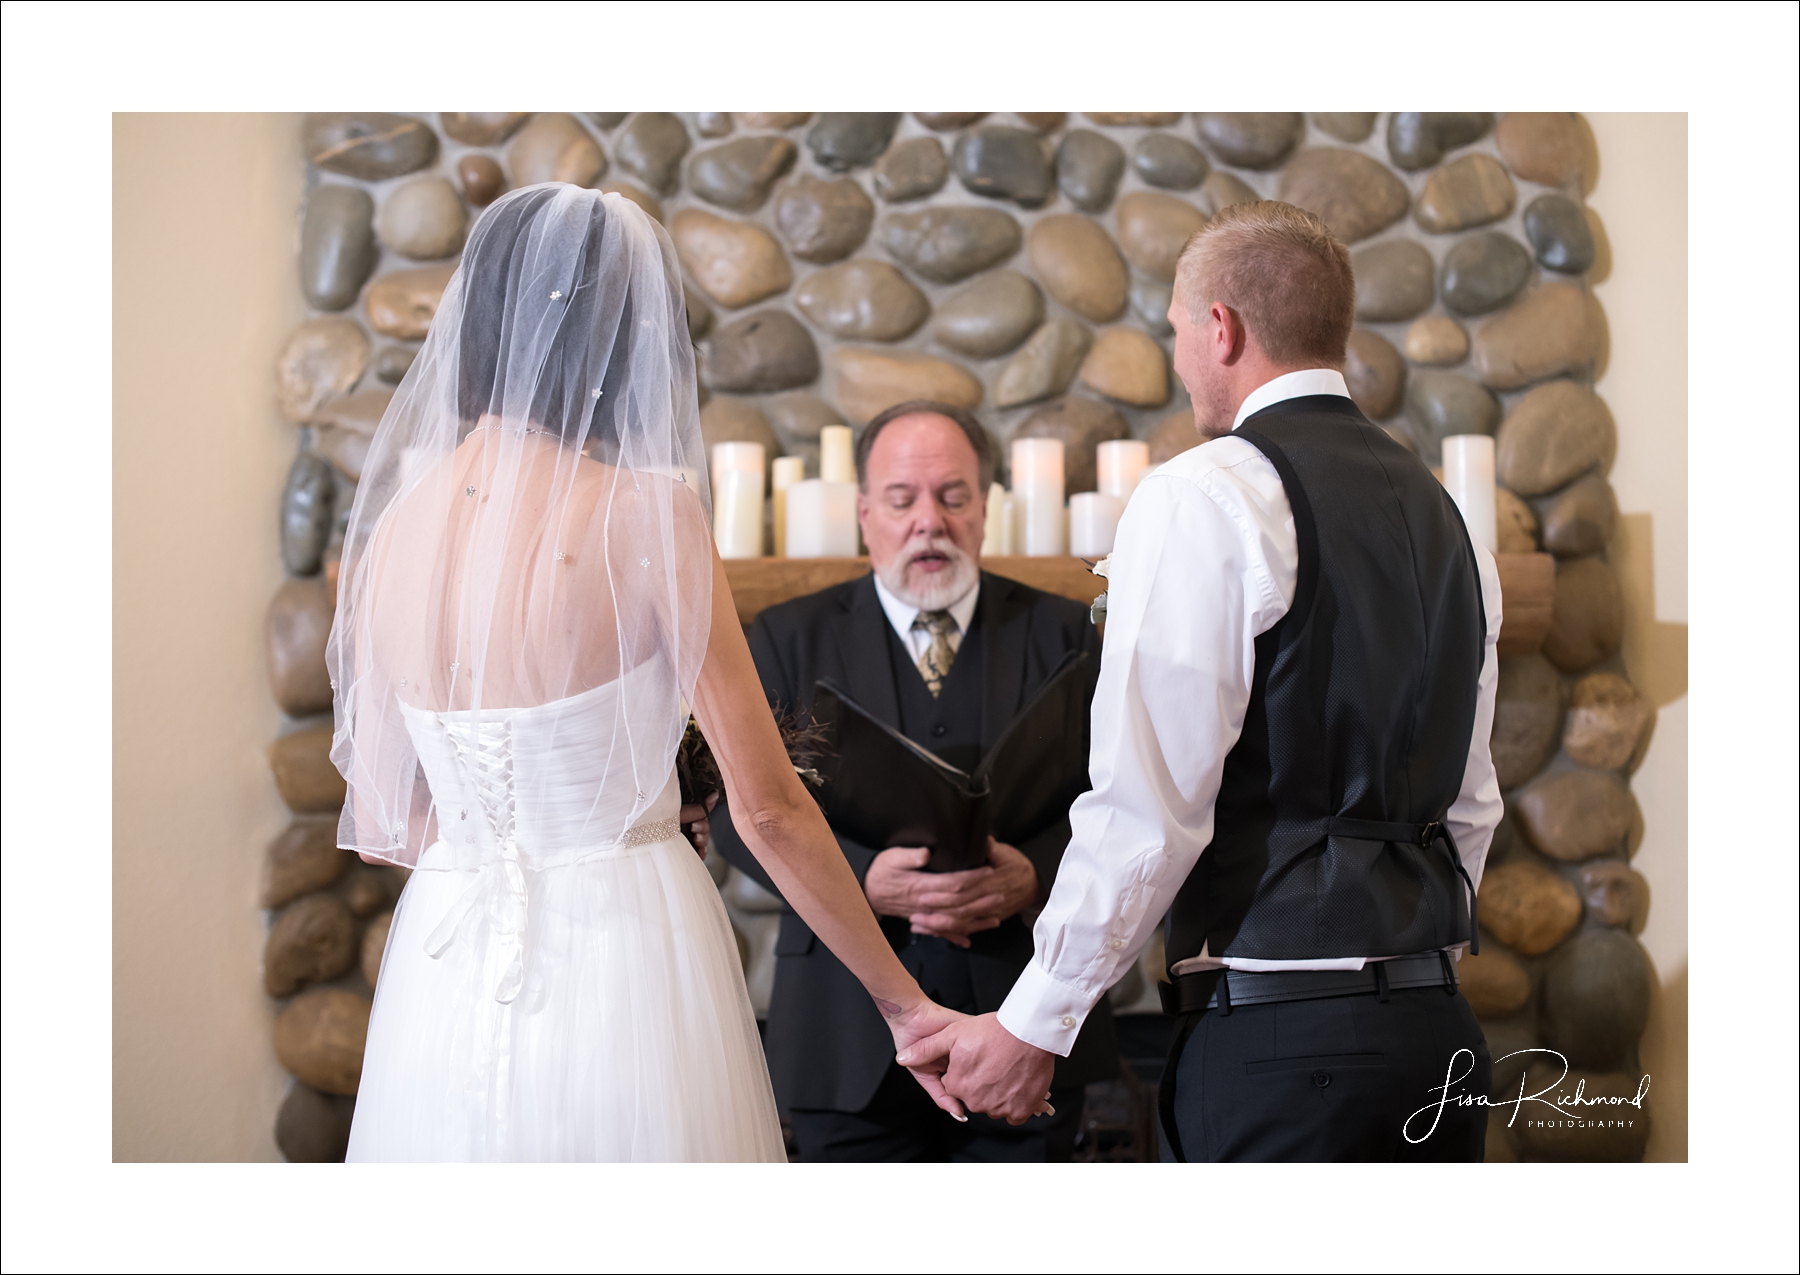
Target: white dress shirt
[[918, 641], [1206, 559]]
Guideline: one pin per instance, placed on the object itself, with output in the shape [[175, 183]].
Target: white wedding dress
[[563, 1001]]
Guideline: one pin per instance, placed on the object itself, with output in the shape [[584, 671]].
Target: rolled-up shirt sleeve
[[1189, 590]]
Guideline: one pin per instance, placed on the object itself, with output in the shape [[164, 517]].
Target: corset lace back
[[539, 786]]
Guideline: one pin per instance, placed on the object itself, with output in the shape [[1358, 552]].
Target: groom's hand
[[990, 1069]]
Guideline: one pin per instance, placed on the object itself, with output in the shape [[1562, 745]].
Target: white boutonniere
[[1097, 611]]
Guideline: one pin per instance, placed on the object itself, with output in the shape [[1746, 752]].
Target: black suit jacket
[[827, 1045]]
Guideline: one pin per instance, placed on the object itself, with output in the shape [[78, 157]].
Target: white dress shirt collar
[[902, 614], [1314, 380]]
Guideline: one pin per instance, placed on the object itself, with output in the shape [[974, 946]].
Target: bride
[[530, 604]]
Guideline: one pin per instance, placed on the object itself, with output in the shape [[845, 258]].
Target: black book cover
[[881, 789]]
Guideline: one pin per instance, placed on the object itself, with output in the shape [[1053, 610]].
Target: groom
[[1289, 750]]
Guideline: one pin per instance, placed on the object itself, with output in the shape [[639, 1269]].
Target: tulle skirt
[[630, 1036]]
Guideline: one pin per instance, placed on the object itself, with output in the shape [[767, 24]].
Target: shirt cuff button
[[1068, 1020]]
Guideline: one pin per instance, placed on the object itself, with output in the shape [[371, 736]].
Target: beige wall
[[200, 304], [1641, 197]]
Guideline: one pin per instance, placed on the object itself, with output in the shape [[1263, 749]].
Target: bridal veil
[[533, 517]]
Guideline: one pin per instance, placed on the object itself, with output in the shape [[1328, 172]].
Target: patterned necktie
[[934, 665]]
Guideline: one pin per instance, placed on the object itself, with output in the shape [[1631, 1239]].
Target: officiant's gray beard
[[938, 589]]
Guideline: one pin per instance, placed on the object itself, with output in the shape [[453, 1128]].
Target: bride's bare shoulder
[[627, 489]]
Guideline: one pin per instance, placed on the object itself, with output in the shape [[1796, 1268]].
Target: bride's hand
[[909, 1026]]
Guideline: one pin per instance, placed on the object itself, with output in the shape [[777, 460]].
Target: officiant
[[947, 654]]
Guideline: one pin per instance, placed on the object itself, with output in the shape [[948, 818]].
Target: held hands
[[958, 1059], [926, 1020], [985, 1066], [951, 905]]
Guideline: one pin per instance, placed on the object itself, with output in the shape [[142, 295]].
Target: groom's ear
[[1227, 335]]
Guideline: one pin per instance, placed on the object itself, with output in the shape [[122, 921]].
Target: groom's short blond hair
[[1285, 274]]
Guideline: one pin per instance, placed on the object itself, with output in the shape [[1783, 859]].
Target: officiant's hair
[[1284, 272], [978, 437]]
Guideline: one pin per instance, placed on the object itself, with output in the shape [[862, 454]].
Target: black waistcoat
[[1361, 710], [950, 725]]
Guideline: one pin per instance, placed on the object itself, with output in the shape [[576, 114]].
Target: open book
[[882, 790]]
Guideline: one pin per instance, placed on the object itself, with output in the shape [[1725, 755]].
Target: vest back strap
[[1411, 834]]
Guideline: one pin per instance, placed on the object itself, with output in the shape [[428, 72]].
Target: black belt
[[1223, 990], [1187, 995]]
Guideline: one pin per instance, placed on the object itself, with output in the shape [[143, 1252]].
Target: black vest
[[950, 725], [1328, 831]]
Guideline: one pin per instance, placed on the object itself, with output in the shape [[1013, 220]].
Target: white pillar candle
[[729, 510], [738, 513], [738, 500], [821, 519], [748, 457], [837, 463], [1469, 477], [1012, 532], [1123, 462], [788, 471], [1037, 472], [993, 530], [1093, 523]]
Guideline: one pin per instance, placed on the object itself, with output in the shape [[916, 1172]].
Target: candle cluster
[[1032, 518], [811, 517]]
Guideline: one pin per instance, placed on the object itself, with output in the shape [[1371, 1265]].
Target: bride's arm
[[782, 826]]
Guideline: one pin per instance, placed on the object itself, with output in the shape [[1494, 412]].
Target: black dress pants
[[1349, 1078], [902, 1124]]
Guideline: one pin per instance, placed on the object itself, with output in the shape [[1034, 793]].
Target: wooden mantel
[[1527, 583]]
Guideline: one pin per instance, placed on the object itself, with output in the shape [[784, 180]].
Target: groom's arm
[[1188, 593]]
